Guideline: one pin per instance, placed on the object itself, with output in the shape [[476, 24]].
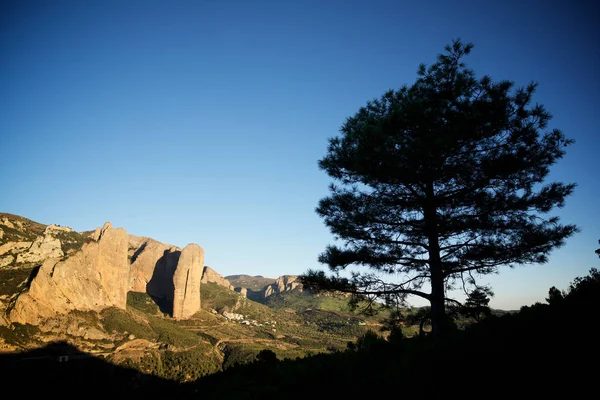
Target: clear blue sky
[[202, 121]]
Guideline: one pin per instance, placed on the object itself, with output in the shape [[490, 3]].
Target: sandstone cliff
[[94, 270], [94, 278], [285, 283], [209, 275], [187, 277], [152, 266]]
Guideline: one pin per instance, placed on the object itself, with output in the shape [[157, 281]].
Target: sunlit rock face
[[152, 266], [284, 283], [209, 275], [94, 278], [186, 280]]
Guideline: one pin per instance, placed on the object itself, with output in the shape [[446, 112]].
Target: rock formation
[[6, 222], [284, 283], [97, 271], [242, 290], [186, 280], [7, 260], [44, 247], [150, 257], [57, 228], [14, 247], [210, 275], [94, 278]]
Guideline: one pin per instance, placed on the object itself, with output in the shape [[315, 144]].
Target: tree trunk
[[438, 307]]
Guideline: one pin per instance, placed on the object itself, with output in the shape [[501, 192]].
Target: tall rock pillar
[[186, 280]]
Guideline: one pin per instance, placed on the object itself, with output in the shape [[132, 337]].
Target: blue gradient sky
[[202, 121]]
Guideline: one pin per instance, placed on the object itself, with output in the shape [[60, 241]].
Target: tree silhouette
[[267, 356], [555, 296], [437, 183], [476, 305]]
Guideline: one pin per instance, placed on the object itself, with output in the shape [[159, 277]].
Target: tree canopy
[[437, 183]]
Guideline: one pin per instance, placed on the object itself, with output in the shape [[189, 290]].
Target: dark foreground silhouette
[[543, 351], [61, 370]]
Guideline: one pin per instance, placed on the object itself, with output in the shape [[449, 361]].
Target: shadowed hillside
[[62, 370], [533, 353]]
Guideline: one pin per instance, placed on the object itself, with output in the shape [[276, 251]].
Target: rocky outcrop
[[242, 290], [7, 260], [209, 275], [153, 265], [94, 278], [14, 247], [285, 283], [99, 273], [149, 257], [186, 280], [43, 248], [6, 222], [96, 234], [52, 228], [136, 244]]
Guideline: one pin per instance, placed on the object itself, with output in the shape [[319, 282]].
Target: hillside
[[144, 338], [260, 289], [41, 304], [520, 352], [255, 283], [111, 295]]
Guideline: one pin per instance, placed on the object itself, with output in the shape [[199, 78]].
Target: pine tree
[[439, 182]]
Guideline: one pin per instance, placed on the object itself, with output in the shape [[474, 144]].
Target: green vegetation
[[171, 334], [217, 297], [333, 323], [71, 241], [24, 229], [149, 363], [298, 300], [20, 335], [12, 280], [116, 320], [142, 302], [189, 365]]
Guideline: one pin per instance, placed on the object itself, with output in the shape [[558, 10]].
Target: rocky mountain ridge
[[147, 305], [96, 274], [259, 288], [96, 269]]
